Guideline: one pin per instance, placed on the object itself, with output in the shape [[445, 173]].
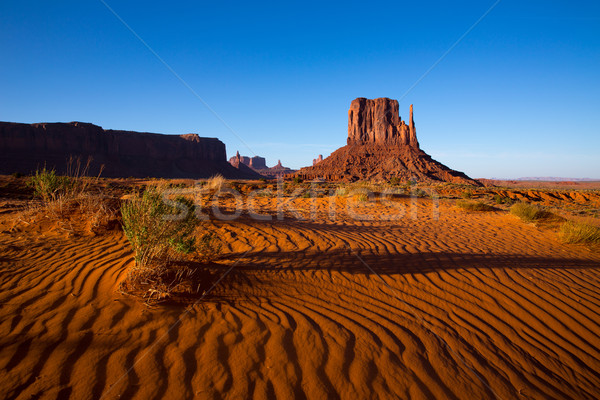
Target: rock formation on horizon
[[380, 146], [318, 159], [259, 165], [26, 147]]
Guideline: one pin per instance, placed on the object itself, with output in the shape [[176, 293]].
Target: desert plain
[[319, 290]]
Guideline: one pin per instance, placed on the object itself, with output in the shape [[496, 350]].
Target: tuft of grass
[[66, 199], [579, 232], [474, 206], [341, 191], [215, 183], [362, 197], [529, 212]]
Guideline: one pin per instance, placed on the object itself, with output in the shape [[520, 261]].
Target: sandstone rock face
[[318, 159], [378, 121], [27, 147], [381, 146], [255, 162]]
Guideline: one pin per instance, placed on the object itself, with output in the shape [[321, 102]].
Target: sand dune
[[464, 306]]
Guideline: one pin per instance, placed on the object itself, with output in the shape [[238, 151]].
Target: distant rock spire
[[412, 131]]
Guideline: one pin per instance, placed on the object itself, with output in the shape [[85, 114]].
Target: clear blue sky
[[519, 96]]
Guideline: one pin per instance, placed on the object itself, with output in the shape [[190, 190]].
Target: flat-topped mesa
[[378, 121]]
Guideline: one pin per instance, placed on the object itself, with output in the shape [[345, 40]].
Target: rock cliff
[[27, 147], [381, 146], [378, 121]]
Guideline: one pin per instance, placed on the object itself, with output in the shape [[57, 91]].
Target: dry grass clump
[[215, 184], [579, 232], [68, 201], [474, 206], [166, 245], [529, 212], [341, 191]]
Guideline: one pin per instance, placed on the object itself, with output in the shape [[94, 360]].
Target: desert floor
[[440, 303]]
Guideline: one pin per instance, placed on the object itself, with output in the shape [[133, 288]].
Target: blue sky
[[518, 96]]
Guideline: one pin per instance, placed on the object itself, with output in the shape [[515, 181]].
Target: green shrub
[[297, 180], [48, 186], [474, 206], [529, 212], [467, 194], [154, 229], [578, 232]]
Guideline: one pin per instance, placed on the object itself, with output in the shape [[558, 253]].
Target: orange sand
[[473, 305]]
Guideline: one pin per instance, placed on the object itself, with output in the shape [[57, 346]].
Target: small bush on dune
[[467, 194], [578, 232], [474, 206], [163, 236], [48, 186], [529, 212], [153, 227]]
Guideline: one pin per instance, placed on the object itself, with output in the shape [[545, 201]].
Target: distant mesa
[[27, 147], [381, 146], [258, 164]]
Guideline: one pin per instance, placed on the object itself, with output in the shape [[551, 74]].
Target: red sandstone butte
[[381, 146]]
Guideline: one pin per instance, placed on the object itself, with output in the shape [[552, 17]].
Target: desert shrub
[[529, 212], [467, 194], [474, 206], [297, 180], [306, 195], [502, 200], [164, 236], [17, 175], [48, 186], [578, 232], [154, 229]]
